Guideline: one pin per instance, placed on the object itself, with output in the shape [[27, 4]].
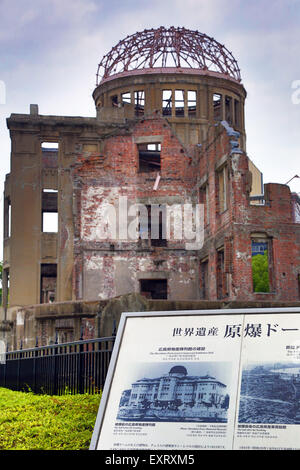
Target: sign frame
[[117, 351]]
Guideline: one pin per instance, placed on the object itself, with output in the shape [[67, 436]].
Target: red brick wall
[[115, 173]]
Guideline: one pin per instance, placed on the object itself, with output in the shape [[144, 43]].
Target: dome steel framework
[[178, 370], [175, 48]]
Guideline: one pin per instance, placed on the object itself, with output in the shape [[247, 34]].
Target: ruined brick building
[[169, 130]]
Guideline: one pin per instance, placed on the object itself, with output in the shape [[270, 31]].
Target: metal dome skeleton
[[177, 48]]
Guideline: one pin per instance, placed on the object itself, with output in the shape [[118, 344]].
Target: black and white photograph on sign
[[170, 386], [177, 392], [270, 393], [268, 414]]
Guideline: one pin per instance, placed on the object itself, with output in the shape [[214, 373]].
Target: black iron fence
[[75, 367]]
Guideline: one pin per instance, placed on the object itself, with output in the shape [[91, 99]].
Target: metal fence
[[75, 367]]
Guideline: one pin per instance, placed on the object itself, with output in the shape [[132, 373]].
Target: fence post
[[19, 365], [5, 361], [35, 354], [114, 332], [80, 365], [110, 350], [55, 368]]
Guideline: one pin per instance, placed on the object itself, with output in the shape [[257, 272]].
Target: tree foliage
[[260, 273]]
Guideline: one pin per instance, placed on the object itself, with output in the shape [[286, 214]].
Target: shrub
[[43, 422], [260, 272]]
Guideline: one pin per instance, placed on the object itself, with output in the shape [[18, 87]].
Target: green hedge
[[43, 422]]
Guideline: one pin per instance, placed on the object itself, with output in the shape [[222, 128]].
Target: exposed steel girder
[[168, 48]]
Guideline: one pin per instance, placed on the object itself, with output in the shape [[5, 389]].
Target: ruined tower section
[[38, 217], [166, 88], [185, 76]]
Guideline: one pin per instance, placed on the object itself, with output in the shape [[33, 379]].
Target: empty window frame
[[49, 211], [261, 257], [217, 107], [204, 199], [114, 100], [154, 227], [126, 97], [237, 113], [50, 146], [50, 154], [222, 185], [228, 110], [149, 157], [157, 215], [48, 283], [221, 278], [192, 103], [167, 102], [139, 102], [179, 103], [204, 286], [5, 288], [7, 218], [65, 335], [154, 288]]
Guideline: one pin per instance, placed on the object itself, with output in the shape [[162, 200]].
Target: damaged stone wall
[[232, 230], [44, 324], [109, 265]]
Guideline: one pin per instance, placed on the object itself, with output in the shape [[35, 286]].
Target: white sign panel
[[269, 387], [208, 380]]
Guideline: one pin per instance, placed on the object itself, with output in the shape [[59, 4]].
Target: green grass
[[43, 422]]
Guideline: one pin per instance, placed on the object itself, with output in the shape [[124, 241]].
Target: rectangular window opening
[[65, 335], [153, 228], [222, 182], [50, 154], [50, 222], [7, 218], [149, 157], [48, 283], [5, 288], [114, 101], [228, 110], [179, 103], [192, 103], [139, 102], [126, 97], [154, 288], [217, 107], [50, 146], [50, 211], [204, 289], [167, 103], [237, 110], [204, 199], [222, 290], [260, 256], [157, 216]]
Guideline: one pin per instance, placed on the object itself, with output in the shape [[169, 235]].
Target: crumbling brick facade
[[107, 267], [163, 136], [231, 231]]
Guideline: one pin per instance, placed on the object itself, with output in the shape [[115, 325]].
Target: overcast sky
[[50, 49]]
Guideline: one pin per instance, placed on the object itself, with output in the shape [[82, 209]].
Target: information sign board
[[203, 380]]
